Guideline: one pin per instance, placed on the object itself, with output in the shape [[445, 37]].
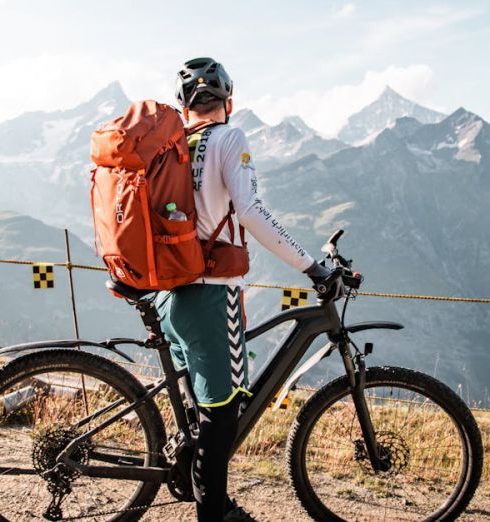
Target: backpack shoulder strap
[[214, 236], [201, 125]]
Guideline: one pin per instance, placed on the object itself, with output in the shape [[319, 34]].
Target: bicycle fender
[[66, 343], [306, 366], [371, 325], [322, 352]]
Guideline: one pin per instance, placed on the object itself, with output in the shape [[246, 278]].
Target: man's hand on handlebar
[[328, 283]]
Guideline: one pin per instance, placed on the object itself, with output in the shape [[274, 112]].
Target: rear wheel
[[424, 430], [48, 399]]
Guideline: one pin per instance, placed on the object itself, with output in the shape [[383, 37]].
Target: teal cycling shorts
[[205, 326]]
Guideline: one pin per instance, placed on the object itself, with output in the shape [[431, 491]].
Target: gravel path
[[272, 501]]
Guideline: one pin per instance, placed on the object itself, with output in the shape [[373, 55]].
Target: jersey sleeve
[[240, 179]]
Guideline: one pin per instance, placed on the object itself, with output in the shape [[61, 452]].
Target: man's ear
[[229, 106], [185, 112]]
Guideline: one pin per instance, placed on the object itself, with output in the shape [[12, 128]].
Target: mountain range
[[409, 185], [28, 314], [45, 157], [382, 113], [291, 139]]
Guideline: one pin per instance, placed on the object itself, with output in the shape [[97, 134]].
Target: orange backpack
[[143, 163]]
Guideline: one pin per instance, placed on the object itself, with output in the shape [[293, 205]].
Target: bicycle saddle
[[119, 289]]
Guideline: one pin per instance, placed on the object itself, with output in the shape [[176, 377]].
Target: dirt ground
[[270, 500]]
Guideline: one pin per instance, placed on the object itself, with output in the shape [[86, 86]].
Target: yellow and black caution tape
[[70, 266], [43, 275]]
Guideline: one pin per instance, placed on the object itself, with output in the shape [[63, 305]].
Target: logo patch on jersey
[[246, 161], [245, 157]]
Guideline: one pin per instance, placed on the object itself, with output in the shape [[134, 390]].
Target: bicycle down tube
[[310, 322]]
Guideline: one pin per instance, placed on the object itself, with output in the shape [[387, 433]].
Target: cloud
[[52, 82], [345, 11], [327, 110], [395, 30]]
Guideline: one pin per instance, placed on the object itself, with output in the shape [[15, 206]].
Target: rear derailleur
[[58, 476]]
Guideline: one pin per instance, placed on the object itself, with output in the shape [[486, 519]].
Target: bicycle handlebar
[[342, 265]]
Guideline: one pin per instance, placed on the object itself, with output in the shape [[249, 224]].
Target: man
[[204, 321]]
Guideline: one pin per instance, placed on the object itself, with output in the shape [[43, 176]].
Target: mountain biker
[[204, 321]]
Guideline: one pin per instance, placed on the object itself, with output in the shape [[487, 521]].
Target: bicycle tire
[[116, 379], [327, 397]]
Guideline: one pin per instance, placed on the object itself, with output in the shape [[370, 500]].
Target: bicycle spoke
[[34, 434], [422, 445]]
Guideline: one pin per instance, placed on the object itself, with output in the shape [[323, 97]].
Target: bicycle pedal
[[175, 445]]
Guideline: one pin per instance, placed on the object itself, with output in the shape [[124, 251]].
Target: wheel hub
[[393, 452]]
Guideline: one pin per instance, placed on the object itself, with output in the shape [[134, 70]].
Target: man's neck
[[215, 116]]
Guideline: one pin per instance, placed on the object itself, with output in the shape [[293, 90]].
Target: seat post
[[158, 341]]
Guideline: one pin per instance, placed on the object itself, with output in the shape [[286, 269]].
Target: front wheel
[[424, 430], [48, 399]]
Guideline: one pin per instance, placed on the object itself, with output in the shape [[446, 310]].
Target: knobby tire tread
[[327, 396], [114, 375]]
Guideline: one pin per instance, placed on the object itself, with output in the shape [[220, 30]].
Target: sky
[[322, 60]]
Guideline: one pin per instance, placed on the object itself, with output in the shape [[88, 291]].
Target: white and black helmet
[[202, 75]]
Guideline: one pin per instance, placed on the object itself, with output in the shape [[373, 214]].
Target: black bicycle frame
[[308, 323]]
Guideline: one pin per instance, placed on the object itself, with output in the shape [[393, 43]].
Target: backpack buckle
[[139, 181]]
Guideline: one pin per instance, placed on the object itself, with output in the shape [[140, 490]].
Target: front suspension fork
[[356, 373]]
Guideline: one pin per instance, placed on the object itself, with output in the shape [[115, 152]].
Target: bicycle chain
[[127, 510], [130, 509], [55, 433]]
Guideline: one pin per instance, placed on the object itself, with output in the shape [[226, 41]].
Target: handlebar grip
[[330, 247], [335, 237]]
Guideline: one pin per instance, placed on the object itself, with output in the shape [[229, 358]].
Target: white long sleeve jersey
[[223, 171]]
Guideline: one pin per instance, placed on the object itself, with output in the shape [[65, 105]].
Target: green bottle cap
[[171, 207]]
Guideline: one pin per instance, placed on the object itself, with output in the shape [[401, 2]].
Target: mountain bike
[[82, 438]]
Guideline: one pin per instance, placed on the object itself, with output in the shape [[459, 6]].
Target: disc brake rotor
[[392, 449]]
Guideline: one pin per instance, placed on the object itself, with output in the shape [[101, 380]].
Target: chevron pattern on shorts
[[234, 336]]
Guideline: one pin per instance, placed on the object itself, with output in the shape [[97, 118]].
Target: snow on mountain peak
[[299, 124], [289, 140], [382, 113], [113, 91], [462, 135], [246, 120]]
